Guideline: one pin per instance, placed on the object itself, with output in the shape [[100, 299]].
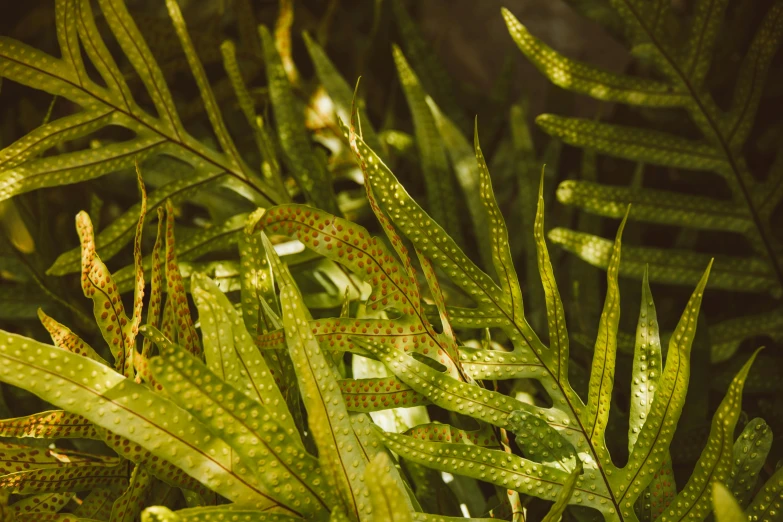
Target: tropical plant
[[329, 373], [676, 74]]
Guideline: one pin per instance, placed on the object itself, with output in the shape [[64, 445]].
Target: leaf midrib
[[137, 414], [566, 396], [243, 422], [773, 260], [155, 130]]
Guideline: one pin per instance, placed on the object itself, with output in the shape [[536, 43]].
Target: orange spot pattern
[[49, 425], [378, 394]]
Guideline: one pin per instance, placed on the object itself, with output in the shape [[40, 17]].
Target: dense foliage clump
[[290, 332]]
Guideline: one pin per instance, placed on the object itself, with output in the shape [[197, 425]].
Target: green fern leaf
[[327, 412], [307, 168], [41, 503], [434, 163], [677, 266], [725, 505], [750, 451], [586, 79], [206, 514], [388, 501], [67, 77], [367, 395], [52, 517], [715, 462], [680, 69], [766, 506], [66, 479], [193, 449], [64, 338], [56, 424], [234, 418], [129, 505], [654, 206]]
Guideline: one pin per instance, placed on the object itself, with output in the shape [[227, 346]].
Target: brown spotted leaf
[[98, 285], [41, 503], [65, 479], [177, 298], [49, 425], [379, 394], [129, 505], [64, 338]]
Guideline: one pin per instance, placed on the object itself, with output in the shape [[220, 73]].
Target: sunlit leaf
[[193, 448], [715, 462]]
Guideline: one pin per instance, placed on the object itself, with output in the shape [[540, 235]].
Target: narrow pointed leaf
[[647, 365], [434, 164], [498, 234], [558, 334], [750, 451], [388, 500], [64, 338], [52, 517], [128, 506], [74, 167], [445, 391], [156, 284], [585, 79], [595, 416], [138, 53], [424, 59], [233, 355], [436, 432], [655, 206], [308, 170], [208, 514], [494, 466], [678, 267], [21, 458], [651, 447], [41, 503], [47, 136], [327, 413], [57, 424], [706, 21], [204, 88], [715, 462], [183, 442], [270, 450], [379, 394], [259, 301], [646, 146], [67, 479], [182, 320], [768, 502], [561, 502], [752, 75], [108, 309]]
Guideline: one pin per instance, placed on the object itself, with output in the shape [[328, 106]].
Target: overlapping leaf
[[680, 64], [22, 168]]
